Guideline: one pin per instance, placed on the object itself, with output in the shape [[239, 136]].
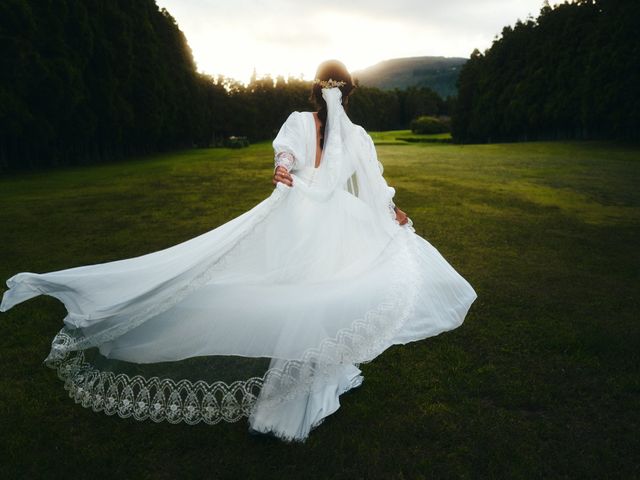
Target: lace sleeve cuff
[[284, 159], [392, 205], [392, 209]]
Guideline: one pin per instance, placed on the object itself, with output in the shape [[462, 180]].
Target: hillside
[[438, 73]]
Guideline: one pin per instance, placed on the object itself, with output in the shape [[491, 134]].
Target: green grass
[[542, 380], [402, 137]]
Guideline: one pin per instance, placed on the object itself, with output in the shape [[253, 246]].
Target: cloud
[[287, 36]]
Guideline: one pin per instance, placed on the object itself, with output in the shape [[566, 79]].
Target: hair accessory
[[329, 83]]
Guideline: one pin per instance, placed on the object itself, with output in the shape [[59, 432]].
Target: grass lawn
[[401, 137], [541, 381]]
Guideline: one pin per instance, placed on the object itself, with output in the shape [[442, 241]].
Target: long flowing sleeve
[[289, 146], [390, 191]]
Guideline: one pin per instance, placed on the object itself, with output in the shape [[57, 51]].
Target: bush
[[236, 142], [426, 124]]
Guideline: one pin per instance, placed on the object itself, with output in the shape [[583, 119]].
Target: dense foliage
[[259, 108], [87, 80], [571, 73]]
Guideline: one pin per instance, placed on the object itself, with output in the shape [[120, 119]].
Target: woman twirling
[[198, 332]]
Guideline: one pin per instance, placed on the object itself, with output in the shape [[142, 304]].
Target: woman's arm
[[288, 146], [401, 217]]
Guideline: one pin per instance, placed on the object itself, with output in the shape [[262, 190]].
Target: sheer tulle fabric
[[267, 316]]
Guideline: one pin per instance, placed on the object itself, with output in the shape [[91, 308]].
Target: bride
[[269, 315]]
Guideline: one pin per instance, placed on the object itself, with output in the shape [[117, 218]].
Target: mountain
[[437, 73]]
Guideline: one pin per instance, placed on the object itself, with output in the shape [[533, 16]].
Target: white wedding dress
[[267, 316]]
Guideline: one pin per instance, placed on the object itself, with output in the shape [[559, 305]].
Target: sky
[[288, 37]]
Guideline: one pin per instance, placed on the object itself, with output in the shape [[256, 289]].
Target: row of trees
[[259, 108], [83, 80], [571, 73], [87, 80]]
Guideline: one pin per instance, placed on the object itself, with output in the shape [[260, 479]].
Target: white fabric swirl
[[281, 304]]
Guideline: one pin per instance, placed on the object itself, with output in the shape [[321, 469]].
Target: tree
[[570, 73]]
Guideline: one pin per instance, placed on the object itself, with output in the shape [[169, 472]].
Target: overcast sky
[[291, 37]]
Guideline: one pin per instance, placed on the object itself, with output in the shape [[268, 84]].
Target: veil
[[352, 162], [111, 302]]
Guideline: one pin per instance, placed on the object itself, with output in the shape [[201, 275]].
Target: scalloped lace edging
[[191, 402]]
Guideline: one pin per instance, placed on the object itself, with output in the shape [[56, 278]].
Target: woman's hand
[[282, 175], [401, 217]]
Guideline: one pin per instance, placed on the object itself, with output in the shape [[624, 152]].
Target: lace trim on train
[[152, 398], [161, 399]]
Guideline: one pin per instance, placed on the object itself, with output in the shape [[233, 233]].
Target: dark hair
[[330, 70]]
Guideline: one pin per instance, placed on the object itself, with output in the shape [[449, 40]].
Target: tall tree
[[91, 80], [571, 73]]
